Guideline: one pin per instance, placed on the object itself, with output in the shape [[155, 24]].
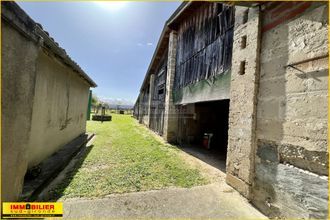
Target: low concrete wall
[[44, 103], [18, 82], [59, 108], [292, 158]]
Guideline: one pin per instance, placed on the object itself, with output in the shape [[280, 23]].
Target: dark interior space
[[203, 131]]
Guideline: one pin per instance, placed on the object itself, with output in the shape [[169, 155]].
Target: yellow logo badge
[[31, 209]]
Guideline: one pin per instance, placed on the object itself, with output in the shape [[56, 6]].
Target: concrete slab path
[[209, 201], [216, 200]]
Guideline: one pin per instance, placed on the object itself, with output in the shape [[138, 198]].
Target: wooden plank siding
[[204, 44], [158, 99]]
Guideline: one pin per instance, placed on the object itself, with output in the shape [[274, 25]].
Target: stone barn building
[[44, 97], [255, 76]]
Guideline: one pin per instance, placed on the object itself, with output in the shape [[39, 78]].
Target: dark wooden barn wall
[[204, 44], [158, 99]]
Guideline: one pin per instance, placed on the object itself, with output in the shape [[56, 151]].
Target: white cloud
[[144, 44]]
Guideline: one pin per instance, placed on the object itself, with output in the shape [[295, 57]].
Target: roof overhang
[[17, 18], [183, 11], [162, 45]]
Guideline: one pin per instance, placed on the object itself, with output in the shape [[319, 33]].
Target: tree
[[95, 102]]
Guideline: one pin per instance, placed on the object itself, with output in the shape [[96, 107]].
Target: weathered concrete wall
[[59, 108], [151, 95], [44, 102], [170, 116], [243, 91], [17, 87], [292, 158], [212, 89]]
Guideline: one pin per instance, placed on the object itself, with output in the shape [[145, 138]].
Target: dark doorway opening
[[203, 131]]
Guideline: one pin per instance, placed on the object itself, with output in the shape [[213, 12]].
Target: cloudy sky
[[113, 42]]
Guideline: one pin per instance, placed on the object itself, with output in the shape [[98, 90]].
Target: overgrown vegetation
[[126, 157]]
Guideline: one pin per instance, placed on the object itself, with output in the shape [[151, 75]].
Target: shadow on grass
[[55, 190]]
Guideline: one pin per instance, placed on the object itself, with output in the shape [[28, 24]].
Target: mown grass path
[[127, 157]]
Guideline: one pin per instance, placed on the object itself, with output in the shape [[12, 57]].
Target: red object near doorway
[[207, 140]]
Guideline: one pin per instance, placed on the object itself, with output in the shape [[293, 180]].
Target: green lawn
[[127, 157]]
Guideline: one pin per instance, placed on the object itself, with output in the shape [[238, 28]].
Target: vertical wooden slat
[[204, 44]]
